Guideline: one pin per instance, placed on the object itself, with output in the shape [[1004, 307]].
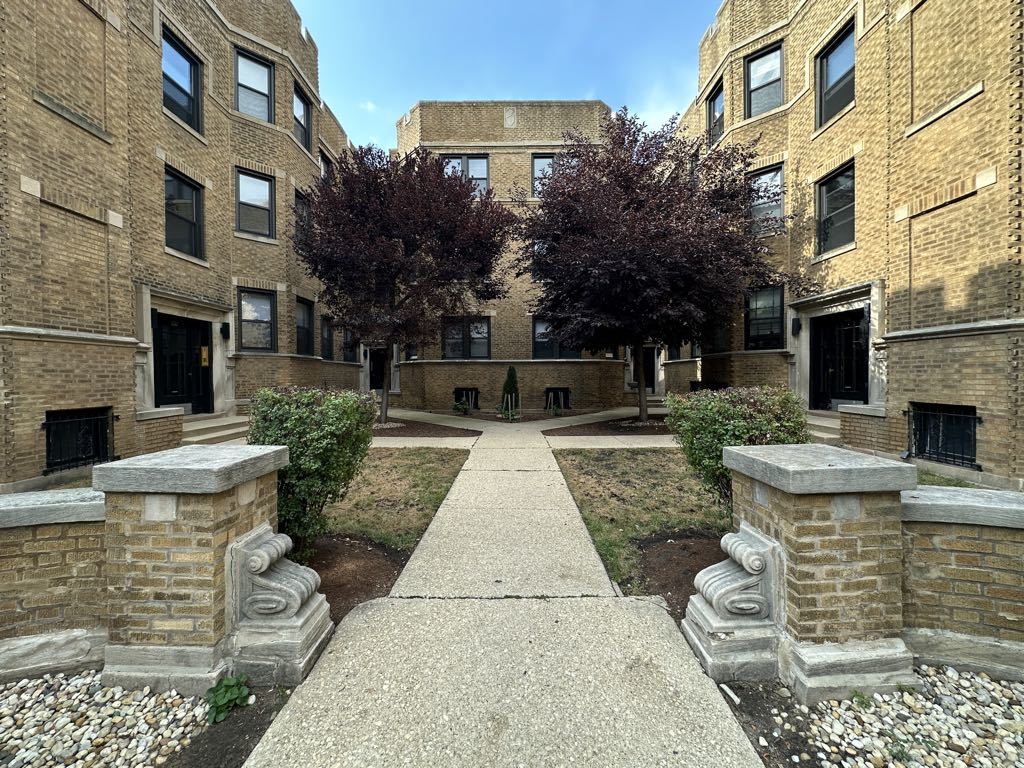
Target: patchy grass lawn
[[395, 495], [629, 496], [925, 477]]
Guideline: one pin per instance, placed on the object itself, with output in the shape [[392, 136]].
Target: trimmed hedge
[[328, 434], [705, 422]]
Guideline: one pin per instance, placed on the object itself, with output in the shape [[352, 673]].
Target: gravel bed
[[73, 720], [956, 720]]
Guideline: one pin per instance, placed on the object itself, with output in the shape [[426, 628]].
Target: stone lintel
[[814, 469], [963, 506], [191, 469], [73, 505]]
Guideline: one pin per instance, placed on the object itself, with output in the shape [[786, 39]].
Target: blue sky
[[379, 57]]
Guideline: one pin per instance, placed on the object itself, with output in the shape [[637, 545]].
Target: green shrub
[[510, 389], [228, 693], [328, 434], [707, 421]]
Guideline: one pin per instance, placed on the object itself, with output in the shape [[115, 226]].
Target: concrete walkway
[[504, 643]]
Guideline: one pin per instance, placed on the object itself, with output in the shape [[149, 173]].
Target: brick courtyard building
[[893, 130], [152, 157]]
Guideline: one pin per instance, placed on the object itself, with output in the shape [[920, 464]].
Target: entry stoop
[[214, 430], [823, 427]]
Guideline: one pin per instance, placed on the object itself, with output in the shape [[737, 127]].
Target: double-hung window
[[326, 165], [183, 214], [303, 327], [836, 209], [466, 338], [764, 81], [541, 170], [763, 319], [472, 167], [835, 68], [716, 113], [182, 81], [349, 347], [257, 311], [326, 338], [254, 92], [547, 348], [302, 115], [255, 213], [766, 203]]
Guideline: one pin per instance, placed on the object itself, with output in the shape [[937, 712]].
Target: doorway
[[182, 357], [378, 367], [650, 363], [839, 360]]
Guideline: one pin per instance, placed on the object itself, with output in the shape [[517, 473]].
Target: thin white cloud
[[368, 106], [668, 94]]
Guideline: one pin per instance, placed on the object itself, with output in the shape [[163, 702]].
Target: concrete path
[[504, 643]]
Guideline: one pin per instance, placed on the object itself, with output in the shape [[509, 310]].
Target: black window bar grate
[[947, 434], [78, 438]]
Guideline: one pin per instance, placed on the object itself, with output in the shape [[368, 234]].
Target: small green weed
[[227, 694], [861, 700]]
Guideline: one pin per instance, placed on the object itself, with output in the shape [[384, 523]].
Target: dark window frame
[[467, 346], [770, 169], [306, 128], [819, 213], [326, 165], [271, 78], [198, 233], [765, 341], [193, 118], [557, 352], [349, 347], [822, 93], [715, 126], [308, 348], [239, 172], [533, 168], [929, 435], [272, 322], [326, 338], [748, 91], [464, 166]]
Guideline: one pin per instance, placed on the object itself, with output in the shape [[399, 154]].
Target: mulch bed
[[352, 571], [530, 416], [655, 426], [669, 565], [424, 429]]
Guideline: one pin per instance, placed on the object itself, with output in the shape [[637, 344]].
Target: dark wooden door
[[839, 359], [378, 365], [183, 359]]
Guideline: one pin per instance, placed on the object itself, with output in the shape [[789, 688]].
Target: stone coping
[[812, 468], [864, 410], [158, 413], [964, 506], [190, 469], [73, 505]]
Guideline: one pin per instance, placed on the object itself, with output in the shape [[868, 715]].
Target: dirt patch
[[423, 429], [529, 416], [354, 570], [774, 723], [655, 425], [669, 564]]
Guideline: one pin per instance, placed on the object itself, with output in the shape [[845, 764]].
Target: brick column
[[170, 517]]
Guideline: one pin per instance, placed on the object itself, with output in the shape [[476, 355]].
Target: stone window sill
[[188, 128], [186, 257], [835, 119], [835, 252], [257, 238]]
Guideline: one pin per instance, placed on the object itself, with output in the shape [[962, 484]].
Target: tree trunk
[[385, 393], [639, 375]]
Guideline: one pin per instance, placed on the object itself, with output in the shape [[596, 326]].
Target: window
[[716, 114], [541, 170], [766, 207], [472, 167], [301, 114], [835, 66], [349, 347], [411, 352], [326, 338], [944, 433], [303, 327], [255, 213], [255, 86], [326, 165], [835, 210], [258, 313], [466, 338], [673, 352], [764, 81], [182, 81], [183, 220], [79, 437], [301, 207], [546, 348], [763, 320]]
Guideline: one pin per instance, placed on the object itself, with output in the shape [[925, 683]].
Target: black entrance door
[[378, 365], [839, 359], [649, 368], [183, 358]]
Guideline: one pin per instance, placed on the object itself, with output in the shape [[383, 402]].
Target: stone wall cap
[[190, 469], [813, 468], [965, 506], [70, 505]]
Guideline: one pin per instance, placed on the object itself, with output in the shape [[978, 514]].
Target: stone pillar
[[170, 518], [826, 522]]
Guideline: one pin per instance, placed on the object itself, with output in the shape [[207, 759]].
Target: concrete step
[[204, 426], [824, 437], [824, 420], [234, 435]]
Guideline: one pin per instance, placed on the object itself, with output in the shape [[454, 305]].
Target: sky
[[379, 57]]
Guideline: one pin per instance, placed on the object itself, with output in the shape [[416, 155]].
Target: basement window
[[947, 434], [78, 438]]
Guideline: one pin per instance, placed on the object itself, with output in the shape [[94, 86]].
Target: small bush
[[705, 422], [227, 694], [510, 389], [328, 434]]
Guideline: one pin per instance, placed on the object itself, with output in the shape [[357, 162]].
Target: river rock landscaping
[[74, 720]]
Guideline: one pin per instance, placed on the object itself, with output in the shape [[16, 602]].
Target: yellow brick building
[[894, 131]]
